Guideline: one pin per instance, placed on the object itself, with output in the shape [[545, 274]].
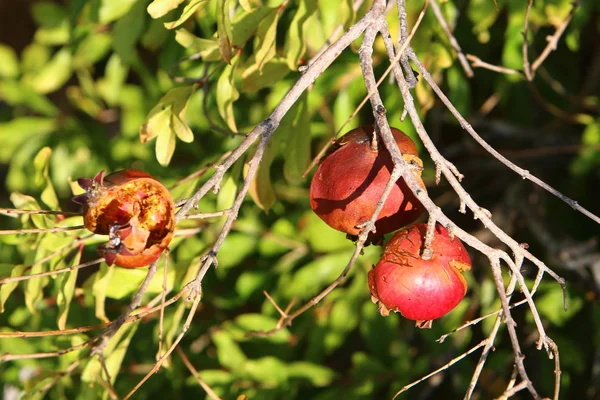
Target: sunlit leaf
[[42, 178], [9, 67], [111, 10], [208, 49], [99, 287], [54, 74], [224, 32], [165, 145], [7, 288], [227, 94], [159, 8], [253, 79], [246, 24], [126, 32], [66, 289], [296, 127], [295, 45], [188, 11], [53, 23]]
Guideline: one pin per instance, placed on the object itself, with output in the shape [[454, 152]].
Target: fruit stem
[[374, 138]]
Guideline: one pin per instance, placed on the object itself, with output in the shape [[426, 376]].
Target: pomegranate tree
[[134, 209], [350, 181], [422, 290]]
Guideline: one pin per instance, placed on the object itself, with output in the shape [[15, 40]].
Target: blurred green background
[[82, 81]]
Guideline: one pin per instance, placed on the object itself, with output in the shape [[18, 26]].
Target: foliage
[[170, 86]]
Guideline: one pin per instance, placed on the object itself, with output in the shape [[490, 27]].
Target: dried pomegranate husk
[[135, 210], [422, 290]]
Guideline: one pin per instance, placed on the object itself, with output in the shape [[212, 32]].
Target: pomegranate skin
[[349, 182], [422, 290], [135, 210]]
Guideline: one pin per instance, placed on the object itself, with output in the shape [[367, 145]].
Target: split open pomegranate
[[134, 209], [422, 290], [350, 181]]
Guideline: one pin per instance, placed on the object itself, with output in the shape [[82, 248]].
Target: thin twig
[[453, 42], [209, 391], [41, 230], [525, 51]]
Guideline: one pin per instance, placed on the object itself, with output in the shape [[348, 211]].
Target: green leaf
[[115, 76], [247, 23], [550, 306], [165, 145], [295, 45], [42, 178], [296, 126], [111, 10], [125, 281], [34, 287], [253, 79], [183, 132], [208, 49], [52, 21], [92, 49], [66, 289], [267, 370], [227, 94], [228, 351], [9, 67], [54, 74], [159, 8], [126, 32], [20, 130], [266, 38], [315, 275], [236, 247], [188, 12], [158, 121], [99, 287], [114, 353], [224, 32], [317, 375], [261, 188], [7, 288]]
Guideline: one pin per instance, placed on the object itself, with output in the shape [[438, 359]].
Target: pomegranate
[[349, 182], [134, 209], [422, 290]]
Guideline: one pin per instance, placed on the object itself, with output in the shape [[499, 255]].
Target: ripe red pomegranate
[[349, 182], [134, 209], [422, 290]]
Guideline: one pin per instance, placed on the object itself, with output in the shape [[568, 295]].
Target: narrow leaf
[[296, 43], [183, 132], [266, 35], [159, 8], [66, 289], [224, 32], [297, 150], [226, 95], [165, 146], [187, 13]]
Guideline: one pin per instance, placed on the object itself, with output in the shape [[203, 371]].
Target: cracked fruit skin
[[135, 210], [422, 290], [350, 181]]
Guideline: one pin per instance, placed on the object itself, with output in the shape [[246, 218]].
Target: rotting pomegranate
[[351, 179], [134, 209], [422, 290]]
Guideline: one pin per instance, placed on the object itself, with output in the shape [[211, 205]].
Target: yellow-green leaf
[[183, 132], [42, 178], [66, 289], [261, 188], [266, 35], [245, 24], [272, 72], [207, 48], [99, 288], [295, 45], [157, 121], [165, 146], [224, 29], [54, 74], [158, 8], [296, 126], [9, 67], [188, 11], [227, 94], [7, 288]]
